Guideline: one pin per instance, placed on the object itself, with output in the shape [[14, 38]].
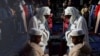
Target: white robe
[[35, 23], [40, 22], [77, 22]]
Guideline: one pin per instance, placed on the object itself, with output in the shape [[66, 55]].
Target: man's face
[[75, 39], [67, 16], [36, 38], [46, 16]]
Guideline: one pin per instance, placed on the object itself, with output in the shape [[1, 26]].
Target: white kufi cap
[[77, 32], [35, 31]]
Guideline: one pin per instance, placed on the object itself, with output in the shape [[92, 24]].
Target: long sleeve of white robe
[[33, 23], [81, 24], [47, 29], [45, 34], [69, 39]]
